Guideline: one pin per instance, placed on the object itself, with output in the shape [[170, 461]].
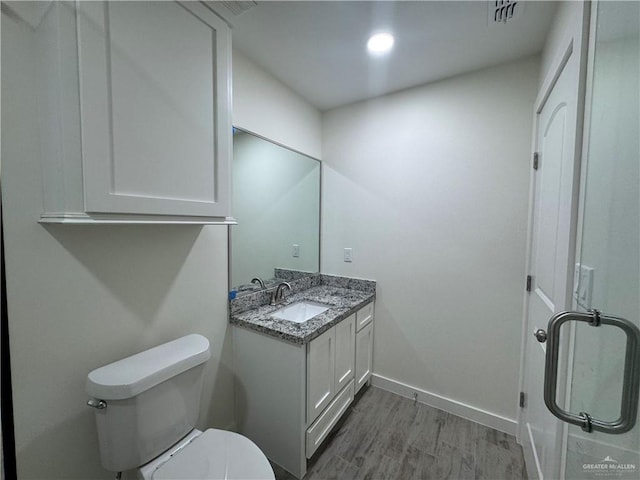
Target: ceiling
[[317, 48]]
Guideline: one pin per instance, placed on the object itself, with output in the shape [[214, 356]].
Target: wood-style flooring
[[386, 436]]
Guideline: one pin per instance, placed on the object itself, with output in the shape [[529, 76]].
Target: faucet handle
[[272, 299], [277, 294], [281, 287]]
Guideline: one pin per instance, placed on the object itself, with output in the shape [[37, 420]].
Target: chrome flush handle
[[95, 403]]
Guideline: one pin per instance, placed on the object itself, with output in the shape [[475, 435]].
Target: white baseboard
[[460, 409]]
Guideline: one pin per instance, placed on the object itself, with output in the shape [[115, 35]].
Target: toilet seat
[[217, 454]]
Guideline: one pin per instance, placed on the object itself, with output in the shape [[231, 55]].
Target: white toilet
[[146, 408]]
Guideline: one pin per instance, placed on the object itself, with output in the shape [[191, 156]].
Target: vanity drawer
[[317, 432], [364, 316]]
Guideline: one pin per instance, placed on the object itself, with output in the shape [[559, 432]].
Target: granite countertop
[[342, 302]]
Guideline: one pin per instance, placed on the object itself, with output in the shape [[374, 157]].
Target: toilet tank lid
[[133, 375]]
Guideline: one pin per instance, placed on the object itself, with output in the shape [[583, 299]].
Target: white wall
[[263, 105], [83, 296], [429, 186]]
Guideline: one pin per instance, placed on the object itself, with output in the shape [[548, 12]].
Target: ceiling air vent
[[239, 7], [229, 11], [502, 11]]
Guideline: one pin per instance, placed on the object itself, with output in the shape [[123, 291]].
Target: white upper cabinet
[[153, 120]]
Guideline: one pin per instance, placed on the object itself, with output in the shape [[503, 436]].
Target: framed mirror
[[276, 201]]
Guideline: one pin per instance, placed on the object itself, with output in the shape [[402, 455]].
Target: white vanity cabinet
[[330, 366], [321, 354], [364, 346], [135, 110], [290, 396], [345, 352]]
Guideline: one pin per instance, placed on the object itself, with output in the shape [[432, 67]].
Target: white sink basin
[[300, 312]]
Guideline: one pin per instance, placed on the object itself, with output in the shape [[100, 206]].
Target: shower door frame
[[589, 75]]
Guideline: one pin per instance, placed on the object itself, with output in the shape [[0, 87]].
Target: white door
[[551, 255], [597, 377]]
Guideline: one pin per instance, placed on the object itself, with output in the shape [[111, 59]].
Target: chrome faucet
[[277, 296], [258, 280]]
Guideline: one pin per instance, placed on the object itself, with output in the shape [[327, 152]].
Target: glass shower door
[[608, 268]]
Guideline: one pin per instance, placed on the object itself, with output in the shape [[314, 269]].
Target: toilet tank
[[152, 401]]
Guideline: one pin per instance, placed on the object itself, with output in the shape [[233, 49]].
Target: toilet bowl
[[212, 454], [146, 408]]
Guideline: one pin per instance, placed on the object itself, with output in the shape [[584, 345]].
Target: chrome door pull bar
[[631, 379]]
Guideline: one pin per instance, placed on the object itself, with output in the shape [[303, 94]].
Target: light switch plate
[[348, 254], [296, 250], [583, 286]]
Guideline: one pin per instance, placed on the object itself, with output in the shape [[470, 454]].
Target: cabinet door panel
[[320, 430], [364, 355], [345, 352], [364, 316], [320, 373], [155, 135]]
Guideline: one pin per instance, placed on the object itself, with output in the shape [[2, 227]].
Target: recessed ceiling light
[[380, 43]]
